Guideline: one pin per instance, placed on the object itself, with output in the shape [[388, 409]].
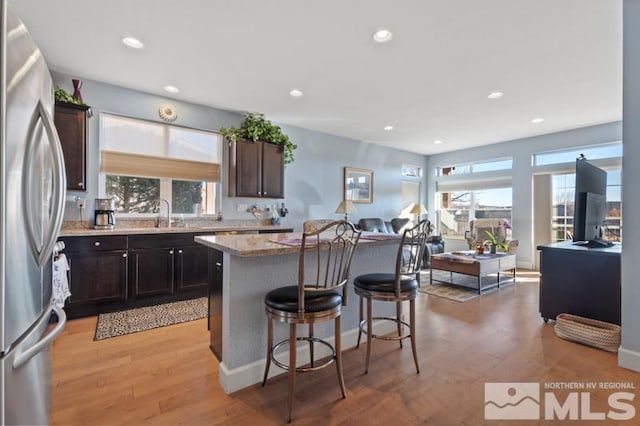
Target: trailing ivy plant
[[257, 128], [63, 96]]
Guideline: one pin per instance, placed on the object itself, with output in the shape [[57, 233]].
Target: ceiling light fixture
[[171, 89], [382, 35], [388, 128], [295, 93], [438, 142], [537, 120], [132, 42], [495, 95]]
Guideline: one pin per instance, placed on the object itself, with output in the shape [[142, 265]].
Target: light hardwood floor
[[169, 376]]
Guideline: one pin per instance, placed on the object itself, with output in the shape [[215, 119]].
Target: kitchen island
[[242, 269]]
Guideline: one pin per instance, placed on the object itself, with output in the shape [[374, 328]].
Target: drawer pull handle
[[97, 244], [124, 254], [170, 251], [218, 264], [180, 251]]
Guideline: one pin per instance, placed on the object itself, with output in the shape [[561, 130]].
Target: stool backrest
[[411, 252], [325, 258]]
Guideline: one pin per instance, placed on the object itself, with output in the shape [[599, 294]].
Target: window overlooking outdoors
[[611, 150], [459, 207], [143, 161], [563, 200], [463, 169]]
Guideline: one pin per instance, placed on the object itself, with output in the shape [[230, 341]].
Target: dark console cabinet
[[581, 281]]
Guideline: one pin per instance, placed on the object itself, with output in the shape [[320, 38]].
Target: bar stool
[[325, 256], [398, 286]]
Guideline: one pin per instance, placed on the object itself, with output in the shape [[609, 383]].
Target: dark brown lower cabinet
[[215, 302], [97, 276], [151, 271], [191, 271]]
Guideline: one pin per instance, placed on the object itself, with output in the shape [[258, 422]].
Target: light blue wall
[[629, 355], [313, 182], [521, 150]]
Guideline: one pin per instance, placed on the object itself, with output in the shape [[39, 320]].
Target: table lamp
[[418, 210], [346, 207]]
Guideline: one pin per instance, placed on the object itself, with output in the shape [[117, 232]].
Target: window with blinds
[[143, 161]]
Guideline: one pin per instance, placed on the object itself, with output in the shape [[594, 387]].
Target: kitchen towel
[[60, 283]]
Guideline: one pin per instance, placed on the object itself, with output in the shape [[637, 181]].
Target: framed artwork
[[358, 185]]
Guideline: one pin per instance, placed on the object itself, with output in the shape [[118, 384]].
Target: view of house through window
[[563, 201], [459, 207], [143, 162]]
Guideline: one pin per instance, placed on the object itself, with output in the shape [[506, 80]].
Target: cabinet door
[[248, 169], [191, 267], [272, 170], [97, 276], [151, 271], [215, 302], [71, 125]]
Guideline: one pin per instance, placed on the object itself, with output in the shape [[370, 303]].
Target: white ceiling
[[560, 60]]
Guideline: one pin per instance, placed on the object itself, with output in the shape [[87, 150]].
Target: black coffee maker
[[105, 213]]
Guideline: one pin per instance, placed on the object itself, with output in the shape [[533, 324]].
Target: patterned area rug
[[465, 287], [449, 291], [140, 319]]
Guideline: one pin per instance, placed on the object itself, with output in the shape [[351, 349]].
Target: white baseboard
[[525, 265], [629, 359], [241, 377]]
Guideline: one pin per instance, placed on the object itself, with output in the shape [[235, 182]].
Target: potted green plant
[[257, 128], [493, 241], [63, 96]]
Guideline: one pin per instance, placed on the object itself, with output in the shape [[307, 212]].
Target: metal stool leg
[[359, 322], [338, 349], [269, 349], [292, 366], [369, 333], [399, 318], [412, 326], [311, 343]]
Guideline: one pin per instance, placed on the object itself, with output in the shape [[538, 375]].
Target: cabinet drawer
[[164, 240], [97, 243]]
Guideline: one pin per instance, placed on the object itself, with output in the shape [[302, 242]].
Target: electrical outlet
[[80, 203]]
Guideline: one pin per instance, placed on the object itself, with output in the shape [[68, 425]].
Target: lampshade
[[418, 209], [346, 207]]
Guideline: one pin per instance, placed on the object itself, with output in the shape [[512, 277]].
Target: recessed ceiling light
[[382, 35], [495, 95], [295, 93], [388, 127], [537, 120], [438, 142], [171, 89], [133, 42]]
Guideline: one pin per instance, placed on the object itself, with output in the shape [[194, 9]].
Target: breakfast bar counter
[[242, 269]]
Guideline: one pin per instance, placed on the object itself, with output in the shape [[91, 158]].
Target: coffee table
[[480, 266]]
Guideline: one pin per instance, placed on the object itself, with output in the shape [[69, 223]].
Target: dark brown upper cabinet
[[71, 122], [256, 169]]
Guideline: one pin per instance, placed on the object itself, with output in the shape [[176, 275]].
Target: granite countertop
[[264, 244], [78, 232]]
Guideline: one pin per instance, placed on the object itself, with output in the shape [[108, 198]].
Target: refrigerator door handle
[[24, 356], [42, 254]]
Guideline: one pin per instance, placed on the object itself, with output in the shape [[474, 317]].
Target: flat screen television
[[590, 205]]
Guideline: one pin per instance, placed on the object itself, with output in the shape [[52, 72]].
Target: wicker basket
[[599, 334]]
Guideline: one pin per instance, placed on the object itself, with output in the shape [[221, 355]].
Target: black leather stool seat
[[286, 299], [384, 282]]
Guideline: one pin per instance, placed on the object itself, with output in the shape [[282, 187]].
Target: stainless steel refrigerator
[[32, 181]]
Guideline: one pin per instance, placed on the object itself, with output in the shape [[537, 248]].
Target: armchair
[[500, 228]]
